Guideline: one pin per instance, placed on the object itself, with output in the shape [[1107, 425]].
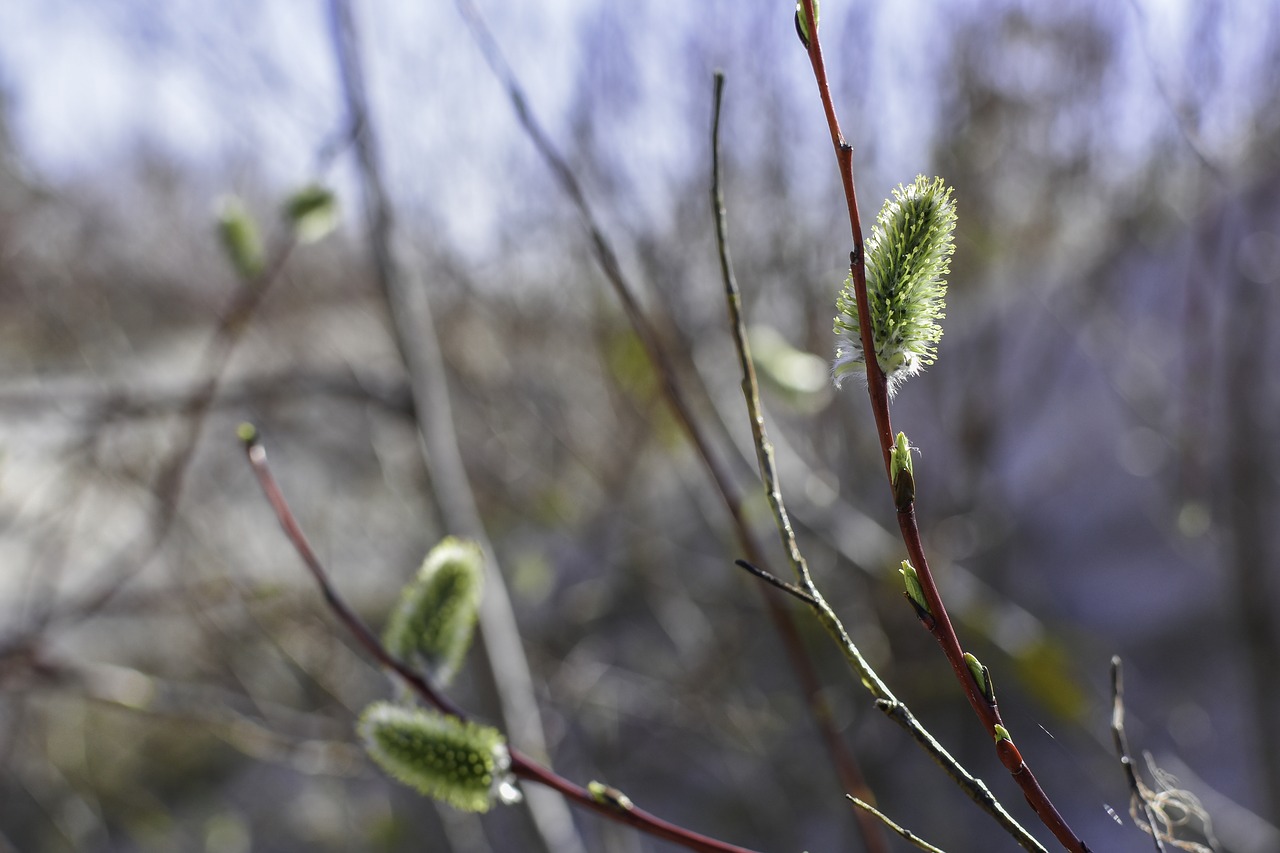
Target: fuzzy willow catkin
[[458, 762], [432, 624], [908, 257]]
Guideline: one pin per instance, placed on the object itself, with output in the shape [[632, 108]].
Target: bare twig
[[1122, 749], [773, 580], [877, 388], [885, 699], [521, 765]]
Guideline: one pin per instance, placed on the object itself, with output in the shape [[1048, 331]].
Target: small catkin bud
[[432, 625], [312, 212], [247, 433], [239, 235], [460, 763], [908, 257]]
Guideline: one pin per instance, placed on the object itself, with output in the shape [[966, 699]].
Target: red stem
[[877, 389]]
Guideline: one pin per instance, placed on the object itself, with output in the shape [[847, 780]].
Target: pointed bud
[[901, 473], [908, 258], [915, 592], [239, 235], [312, 212], [432, 625], [460, 763], [607, 796], [981, 677], [1001, 734]]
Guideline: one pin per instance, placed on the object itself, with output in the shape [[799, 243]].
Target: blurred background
[[1098, 463]]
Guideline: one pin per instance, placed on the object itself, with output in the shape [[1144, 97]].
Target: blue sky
[[240, 81]]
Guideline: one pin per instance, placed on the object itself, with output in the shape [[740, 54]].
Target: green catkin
[[908, 258], [432, 625], [457, 762]]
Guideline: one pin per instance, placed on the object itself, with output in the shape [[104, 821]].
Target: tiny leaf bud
[[981, 677], [915, 592], [902, 472], [802, 23]]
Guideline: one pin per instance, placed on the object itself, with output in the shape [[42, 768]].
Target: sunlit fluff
[[907, 260]]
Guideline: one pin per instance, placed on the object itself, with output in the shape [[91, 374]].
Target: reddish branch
[[877, 388], [521, 765]]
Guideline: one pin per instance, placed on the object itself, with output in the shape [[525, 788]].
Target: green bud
[[1001, 733], [239, 235], [915, 592], [247, 433], [312, 212], [608, 796], [981, 677], [901, 472], [457, 762], [802, 23], [908, 257], [432, 625]]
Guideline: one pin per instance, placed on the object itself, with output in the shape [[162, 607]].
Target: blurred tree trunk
[[1248, 503]]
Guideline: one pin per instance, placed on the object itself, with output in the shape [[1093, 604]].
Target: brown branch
[[521, 765], [877, 389], [775, 581]]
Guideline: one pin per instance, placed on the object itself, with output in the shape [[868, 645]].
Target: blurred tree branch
[[415, 336]]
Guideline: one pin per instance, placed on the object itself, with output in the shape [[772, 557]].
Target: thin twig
[[877, 389], [521, 765], [903, 831], [773, 580], [897, 711], [1121, 740]]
